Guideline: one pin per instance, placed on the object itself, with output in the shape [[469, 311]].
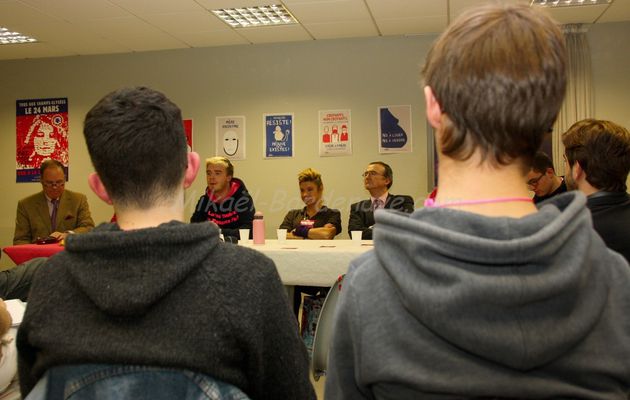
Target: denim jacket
[[116, 382]]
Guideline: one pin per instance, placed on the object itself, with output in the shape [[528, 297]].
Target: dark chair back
[[323, 331]]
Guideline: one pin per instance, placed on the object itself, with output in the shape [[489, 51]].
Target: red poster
[[188, 127], [41, 133]]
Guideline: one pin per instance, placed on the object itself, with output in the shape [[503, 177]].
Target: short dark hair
[[541, 162], [498, 72], [50, 163], [388, 172], [136, 140], [603, 150]]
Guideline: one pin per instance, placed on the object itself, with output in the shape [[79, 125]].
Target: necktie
[[376, 204], [53, 215]]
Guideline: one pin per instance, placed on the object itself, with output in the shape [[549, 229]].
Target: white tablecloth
[[311, 262]]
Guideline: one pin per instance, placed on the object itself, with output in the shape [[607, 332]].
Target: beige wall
[[610, 56], [301, 78], [358, 74]]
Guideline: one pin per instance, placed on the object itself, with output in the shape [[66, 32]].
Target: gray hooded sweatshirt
[[451, 304]]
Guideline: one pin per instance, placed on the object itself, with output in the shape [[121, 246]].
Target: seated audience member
[[313, 221], [15, 282], [480, 294], [598, 157], [377, 179], [52, 212], [8, 356], [151, 290], [542, 178], [226, 202]]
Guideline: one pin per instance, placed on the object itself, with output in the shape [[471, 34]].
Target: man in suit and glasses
[[377, 179], [54, 211]]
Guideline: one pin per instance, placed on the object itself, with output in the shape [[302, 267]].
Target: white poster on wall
[[394, 129], [335, 137], [230, 134]]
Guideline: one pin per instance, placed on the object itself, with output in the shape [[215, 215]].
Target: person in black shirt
[[597, 157], [542, 178]]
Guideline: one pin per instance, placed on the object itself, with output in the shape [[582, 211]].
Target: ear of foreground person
[[480, 294], [149, 289]]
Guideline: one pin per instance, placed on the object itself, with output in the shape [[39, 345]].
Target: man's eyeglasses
[[54, 184], [534, 182], [370, 173]]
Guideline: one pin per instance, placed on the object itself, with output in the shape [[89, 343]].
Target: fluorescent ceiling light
[[249, 17], [9, 37], [568, 3]]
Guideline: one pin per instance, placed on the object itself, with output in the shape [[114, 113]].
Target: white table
[[311, 262]]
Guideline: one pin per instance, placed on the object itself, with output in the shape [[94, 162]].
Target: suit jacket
[[33, 219], [362, 216], [611, 219]]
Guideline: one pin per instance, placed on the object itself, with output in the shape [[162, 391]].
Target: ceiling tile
[[216, 4], [412, 26], [618, 11], [575, 15], [345, 29], [31, 50], [185, 22], [71, 10], [329, 11], [142, 7], [269, 34], [396, 9], [134, 33]]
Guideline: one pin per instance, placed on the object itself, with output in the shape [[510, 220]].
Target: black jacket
[[231, 214], [362, 216]]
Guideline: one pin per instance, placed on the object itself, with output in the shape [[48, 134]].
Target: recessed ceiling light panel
[[10, 37], [249, 17], [568, 3]]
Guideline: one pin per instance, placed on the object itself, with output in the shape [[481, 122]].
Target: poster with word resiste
[[41, 132], [230, 134], [278, 135], [335, 138], [394, 129]]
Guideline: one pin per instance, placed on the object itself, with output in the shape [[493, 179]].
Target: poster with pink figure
[[335, 138], [41, 133]]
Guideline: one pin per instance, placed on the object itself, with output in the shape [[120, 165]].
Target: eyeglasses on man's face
[[533, 182], [50, 184], [370, 173]]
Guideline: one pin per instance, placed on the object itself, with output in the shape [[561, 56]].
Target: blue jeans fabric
[[116, 382]]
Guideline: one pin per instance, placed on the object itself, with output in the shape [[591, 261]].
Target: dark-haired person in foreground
[[597, 154], [480, 294], [151, 290]]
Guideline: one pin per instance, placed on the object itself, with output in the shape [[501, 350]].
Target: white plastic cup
[[356, 237], [244, 234], [282, 235]]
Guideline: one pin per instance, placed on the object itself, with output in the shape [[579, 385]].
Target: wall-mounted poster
[[278, 135], [188, 130], [230, 132], [334, 133], [41, 133], [394, 129]]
